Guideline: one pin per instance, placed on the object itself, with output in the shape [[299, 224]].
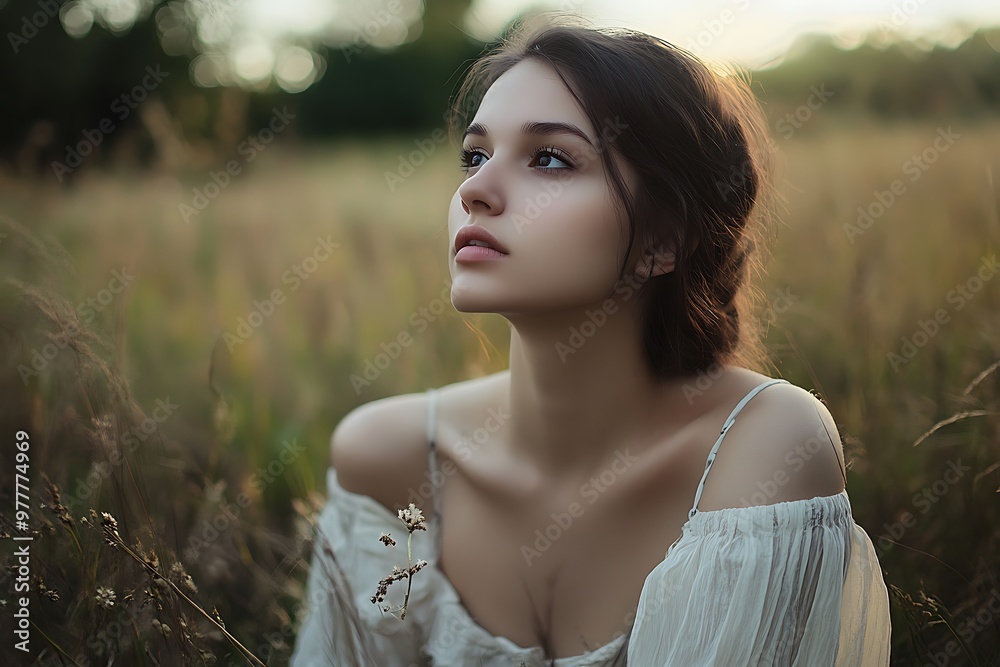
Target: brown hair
[[697, 141]]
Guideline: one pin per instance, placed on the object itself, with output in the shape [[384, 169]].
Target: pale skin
[[565, 422]]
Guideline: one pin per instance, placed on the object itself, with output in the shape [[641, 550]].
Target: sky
[[250, 41], [754, 32]]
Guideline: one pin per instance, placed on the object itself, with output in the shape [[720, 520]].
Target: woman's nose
[[482, 192]]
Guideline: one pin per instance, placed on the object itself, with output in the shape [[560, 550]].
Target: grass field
[[213, 355]]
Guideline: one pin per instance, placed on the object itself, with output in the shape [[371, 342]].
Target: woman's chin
[[472, 305]]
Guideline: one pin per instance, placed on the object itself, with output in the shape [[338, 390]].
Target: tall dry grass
[[277, 396]]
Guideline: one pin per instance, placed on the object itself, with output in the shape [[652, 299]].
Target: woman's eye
[[468, 159], [548, 159], [542, 159]]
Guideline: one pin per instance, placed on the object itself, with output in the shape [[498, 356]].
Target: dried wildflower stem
[[414, 520], [79, 548], [115, 539], [409, 579], [57, 508], [55, 645]]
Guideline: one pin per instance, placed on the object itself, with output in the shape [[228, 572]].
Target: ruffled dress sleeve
[[792, 584], [343, 628]]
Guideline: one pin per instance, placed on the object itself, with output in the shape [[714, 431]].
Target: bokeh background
[[218, 217]]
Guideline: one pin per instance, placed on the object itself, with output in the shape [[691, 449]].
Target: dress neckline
[[702, 521]]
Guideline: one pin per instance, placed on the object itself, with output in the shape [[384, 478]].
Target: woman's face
[[543, 195]]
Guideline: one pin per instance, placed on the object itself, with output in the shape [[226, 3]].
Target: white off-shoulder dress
[[789, 584]]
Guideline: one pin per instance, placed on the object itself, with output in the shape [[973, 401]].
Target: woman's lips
[[477, 253]]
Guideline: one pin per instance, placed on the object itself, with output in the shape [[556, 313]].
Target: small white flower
[[413, 518], [105, 597]]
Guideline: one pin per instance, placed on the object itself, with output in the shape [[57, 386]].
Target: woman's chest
[[565, 573]]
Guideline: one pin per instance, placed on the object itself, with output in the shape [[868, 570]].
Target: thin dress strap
[[725, 429], [433, 462]]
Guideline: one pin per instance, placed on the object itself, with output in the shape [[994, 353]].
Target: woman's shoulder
[[380, 448], [783, 445]]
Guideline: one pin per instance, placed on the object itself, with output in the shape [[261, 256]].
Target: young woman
[[611, 202]]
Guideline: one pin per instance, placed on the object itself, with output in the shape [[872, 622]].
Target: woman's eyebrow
[[536, 128]]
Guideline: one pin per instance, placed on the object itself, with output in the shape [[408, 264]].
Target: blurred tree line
[[893, 82], [121, 95]]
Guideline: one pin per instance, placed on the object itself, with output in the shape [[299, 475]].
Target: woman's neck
[[579, 389]]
